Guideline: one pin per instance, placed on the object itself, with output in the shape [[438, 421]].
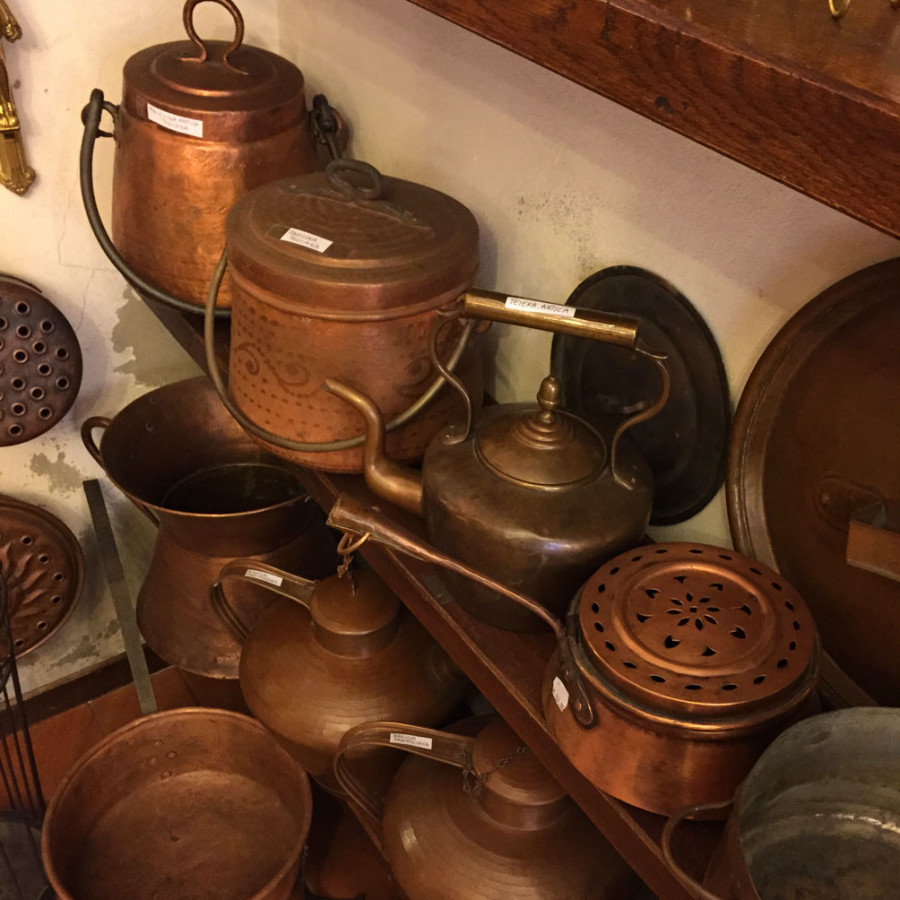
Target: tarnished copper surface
[[216, 494], [247, 124], [814, 444], [192, 803], [353, 300], [500, 828], [40, 362], [334, 654], [43, 565]]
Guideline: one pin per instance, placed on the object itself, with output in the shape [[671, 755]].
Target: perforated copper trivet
[[43, 565], [684, 626], [40, 362]]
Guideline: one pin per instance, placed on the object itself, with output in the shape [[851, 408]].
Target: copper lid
[[542, 447], [351, 240], [226, 91], [693, 629]]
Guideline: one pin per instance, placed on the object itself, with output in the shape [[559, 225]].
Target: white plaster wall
[[562, 182]]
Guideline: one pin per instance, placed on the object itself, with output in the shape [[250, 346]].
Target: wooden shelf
[[777, 85]]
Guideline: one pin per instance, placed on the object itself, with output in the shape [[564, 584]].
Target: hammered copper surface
[[356, 304], [40, 362], [815, 442], [353, 655], [243, 123], [43, 565], [501, 829], [188, 803]]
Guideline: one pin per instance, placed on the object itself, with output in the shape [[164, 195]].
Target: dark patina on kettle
[[533, 496]]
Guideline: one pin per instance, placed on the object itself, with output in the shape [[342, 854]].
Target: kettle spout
[[397, 484]]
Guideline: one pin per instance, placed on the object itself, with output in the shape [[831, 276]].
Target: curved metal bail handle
[[694, 887], [628, 480], [91, 116], [441, 746], [286, 443], [449, 377], [188, 17], [349, 515], [252, 571], [327, 126]]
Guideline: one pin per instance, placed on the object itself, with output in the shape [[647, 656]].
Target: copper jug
[[501, 828], [201, 122], [332, 654], [215, 494], [342, 275], [532, 496]]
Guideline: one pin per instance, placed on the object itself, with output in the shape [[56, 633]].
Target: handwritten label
[[305, 239], [560, 693], [181, 124], [268, 577], [539, 306], [411, 740]]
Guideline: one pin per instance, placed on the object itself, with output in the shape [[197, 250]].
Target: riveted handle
[[188, 16]]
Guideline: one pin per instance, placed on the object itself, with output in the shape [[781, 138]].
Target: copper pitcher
[[531, 495], [332, 654], [501, 828], [215, 494], [201, 122]]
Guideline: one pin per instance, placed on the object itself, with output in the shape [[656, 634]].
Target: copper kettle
[[502, 828], [532, 496], [332, 654]]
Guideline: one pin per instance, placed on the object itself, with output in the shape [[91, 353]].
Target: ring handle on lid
[[188, 16], [334, 172]]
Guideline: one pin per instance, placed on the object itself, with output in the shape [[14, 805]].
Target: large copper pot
[[215, 495], [501, 828], [194, 803], [200, 124], [533, 496], [677, 665], [332, 654], [343, 275]]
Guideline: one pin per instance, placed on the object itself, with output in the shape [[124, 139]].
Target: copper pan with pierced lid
[[676, 666]]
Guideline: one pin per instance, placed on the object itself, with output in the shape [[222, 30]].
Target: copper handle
[[452, 749], [188, 17], [350, 516], [672, 823], [252, 571], [873, 539]]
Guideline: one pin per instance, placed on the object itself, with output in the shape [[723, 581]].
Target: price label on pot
[[411, 740], [174, 122], [539, 306], [560, 693], [305, 239], [268, 577]]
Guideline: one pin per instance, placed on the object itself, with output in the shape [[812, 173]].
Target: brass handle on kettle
[[188, 16], [252, 571], [443, 746], [371, 524]]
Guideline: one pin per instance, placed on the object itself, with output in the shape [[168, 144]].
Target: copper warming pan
[[192, 803], [677, 665]]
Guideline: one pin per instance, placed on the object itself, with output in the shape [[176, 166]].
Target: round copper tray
[[817, 438], [43, 565]]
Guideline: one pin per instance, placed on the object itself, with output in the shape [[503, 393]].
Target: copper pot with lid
[[531, 495], [342, 275], [201, 122], [332, 654], [677, 665], [500, 828]]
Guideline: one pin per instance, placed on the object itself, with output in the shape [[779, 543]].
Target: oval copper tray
[[816, 439], [43, 565]]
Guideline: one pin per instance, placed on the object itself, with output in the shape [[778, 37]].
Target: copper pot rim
[[186, 712]]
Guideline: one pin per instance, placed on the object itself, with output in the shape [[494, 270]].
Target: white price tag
[[268, 577], [174, 122], [411, 740], [305, 239], [550, 309], [560, 693]]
